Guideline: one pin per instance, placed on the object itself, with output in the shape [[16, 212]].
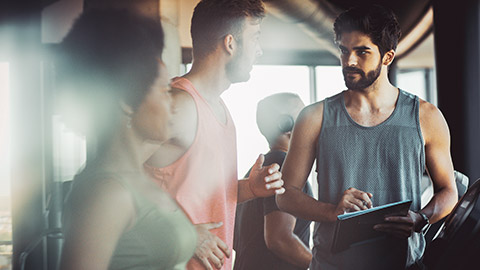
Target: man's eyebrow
[[363, 48]]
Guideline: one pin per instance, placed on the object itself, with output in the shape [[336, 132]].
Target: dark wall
[[457, 35]]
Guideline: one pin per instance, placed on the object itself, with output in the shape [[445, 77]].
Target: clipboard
[[355, 227]]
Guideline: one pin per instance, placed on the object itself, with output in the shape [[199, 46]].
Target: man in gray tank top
[[371, 143]]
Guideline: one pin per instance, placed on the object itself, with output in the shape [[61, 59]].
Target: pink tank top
[[204, 180]]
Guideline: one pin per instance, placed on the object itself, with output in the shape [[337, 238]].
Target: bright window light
[[69, 151], [242, 98], [413, 81], [329, 81], [4, 131], [5, 208]]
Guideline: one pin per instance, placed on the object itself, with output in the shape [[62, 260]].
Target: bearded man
[[371, 143]]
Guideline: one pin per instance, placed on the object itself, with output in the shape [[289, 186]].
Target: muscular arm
[[281, 240], [297, 166], [439, 162], [96, 222], [440, 168]]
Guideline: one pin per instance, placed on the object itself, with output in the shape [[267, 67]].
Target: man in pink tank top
[[198, 164]]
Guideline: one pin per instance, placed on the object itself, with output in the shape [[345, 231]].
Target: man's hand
[[210, 249], [400, 226], [353, 200], [265, 181]]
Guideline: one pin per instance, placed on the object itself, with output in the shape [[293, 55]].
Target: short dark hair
[[271, 109], [108, 56], [214, 19], [378, 22]]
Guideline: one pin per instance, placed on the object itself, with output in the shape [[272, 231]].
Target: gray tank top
[[387, 160]]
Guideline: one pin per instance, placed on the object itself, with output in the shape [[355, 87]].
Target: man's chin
[[354, 86], [350, 84], [241, 78]]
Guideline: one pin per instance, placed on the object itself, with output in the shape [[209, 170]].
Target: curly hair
[[378, 22]]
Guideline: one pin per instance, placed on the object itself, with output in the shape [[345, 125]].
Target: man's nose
[[352, 60]]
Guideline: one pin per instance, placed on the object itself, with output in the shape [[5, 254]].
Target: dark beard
[[365, 80]]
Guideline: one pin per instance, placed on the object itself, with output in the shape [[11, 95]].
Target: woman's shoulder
[[98, 198], [96, 188]]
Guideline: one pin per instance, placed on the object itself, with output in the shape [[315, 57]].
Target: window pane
[[242, 99], [69, 151], [329, 81], [413, 81]]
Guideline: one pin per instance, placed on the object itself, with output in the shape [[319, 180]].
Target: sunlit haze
[[4, 131]]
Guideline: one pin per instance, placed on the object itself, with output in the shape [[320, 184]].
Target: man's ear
[[229, 44], [126, 109], [388, 57]]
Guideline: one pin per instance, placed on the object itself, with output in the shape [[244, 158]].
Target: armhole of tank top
[[228, 116], [325, 102], [187, 153], [419, 130]]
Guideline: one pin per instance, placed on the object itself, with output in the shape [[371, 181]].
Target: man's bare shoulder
[[432, 122], [312, 113], [309, 121], [182, 101], [427, 107], [429, 112], [184, 110]]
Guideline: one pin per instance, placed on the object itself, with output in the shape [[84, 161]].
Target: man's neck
[[372, 107], [209, 78], [377, 96]]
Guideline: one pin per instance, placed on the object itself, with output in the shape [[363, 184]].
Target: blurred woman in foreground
[[114, 88]]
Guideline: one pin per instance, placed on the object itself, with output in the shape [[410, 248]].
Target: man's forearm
[[441, 204], [297, 203], [291, 249], [282, 241]]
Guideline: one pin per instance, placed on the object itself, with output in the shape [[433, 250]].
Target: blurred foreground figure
[[371, 144], [198, 164], [114, 89], [265, 237]]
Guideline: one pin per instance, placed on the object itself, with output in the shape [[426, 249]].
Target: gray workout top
[[162, 237], [386, 160]]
